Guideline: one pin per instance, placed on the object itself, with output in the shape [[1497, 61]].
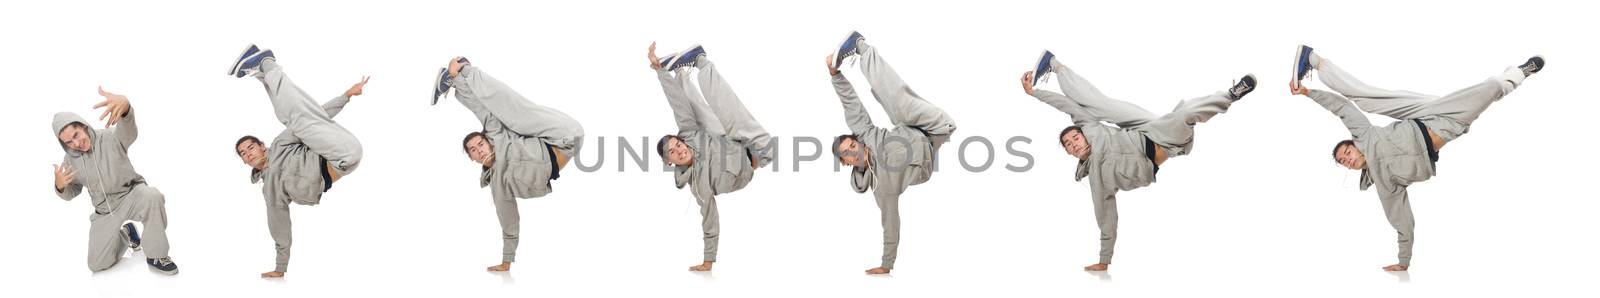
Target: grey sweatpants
[[143, 204], [1174, 132], [488, 96], [309, 121], [730, 118], [1448, 116], [905, 108]]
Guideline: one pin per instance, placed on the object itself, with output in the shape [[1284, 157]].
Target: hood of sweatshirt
[[60, 122]]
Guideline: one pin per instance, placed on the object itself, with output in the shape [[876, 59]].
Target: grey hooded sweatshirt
[[1397, 156], [899, 157], [104, 169], [523, 134], [293, 174]]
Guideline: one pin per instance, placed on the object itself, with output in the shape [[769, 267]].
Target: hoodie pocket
[[304, 190], [528, 179], [1407, 169]]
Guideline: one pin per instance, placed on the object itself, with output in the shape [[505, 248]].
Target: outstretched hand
[[1027, 82], [116, 106], [356, 89], [655, 62]]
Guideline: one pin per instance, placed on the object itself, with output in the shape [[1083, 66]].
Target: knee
[[101, 264]]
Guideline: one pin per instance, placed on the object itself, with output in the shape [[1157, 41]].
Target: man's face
[[851, 153], [1075, 144], [76, 138], [480, 151], [678, 153], [253, 154], [1351, 158]]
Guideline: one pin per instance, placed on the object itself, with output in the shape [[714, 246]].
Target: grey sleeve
[[1080, 117], [1397, 207], [855, 115], [505, 207], [335, 105], [710, 225], [1340, 106], [282, 231], [889, 215], [127, 129], [683, 108], [1105, 215]]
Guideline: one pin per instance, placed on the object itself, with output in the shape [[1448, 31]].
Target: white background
[[1258, 209]]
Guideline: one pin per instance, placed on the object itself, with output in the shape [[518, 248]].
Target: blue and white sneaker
[[252, 64], [441, 84], [1532, 66], [1243, 87], [165, 265], [666, 60], [1045, 67], [685, 58], [1302, 63], [847, 48], [233, 70], [130, 236]]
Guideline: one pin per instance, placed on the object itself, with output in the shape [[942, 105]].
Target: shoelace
[[163, 262], [1239, 88]]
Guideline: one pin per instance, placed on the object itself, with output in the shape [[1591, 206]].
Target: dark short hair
[[470, 135], [840, 140], [1064, 132], [247, 138], [661, 145], [1341, 144]]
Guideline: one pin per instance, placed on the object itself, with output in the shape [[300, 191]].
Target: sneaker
[[1302, 63], [130, 236], [233, 70], [1243, 87], [1532, 66], [442, 82], [441, 85], [685, 58], [250, 65], [165, 265], [846, 49], [1044, 68]]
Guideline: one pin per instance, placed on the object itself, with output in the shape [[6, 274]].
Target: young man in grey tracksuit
[[97, 160], [886, 161], [719, 144], [305, 159], [522, 148], [1126, 156], [1394, 156]]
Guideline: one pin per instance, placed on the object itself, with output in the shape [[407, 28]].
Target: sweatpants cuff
[[282, 267], [1405, 262], [1105, 260], [508, 258]]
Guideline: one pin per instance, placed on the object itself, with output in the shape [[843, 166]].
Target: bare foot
[[1396, 267], [878, 270], [705, 266], [273, 274], [1097, 267], [503, 267]]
